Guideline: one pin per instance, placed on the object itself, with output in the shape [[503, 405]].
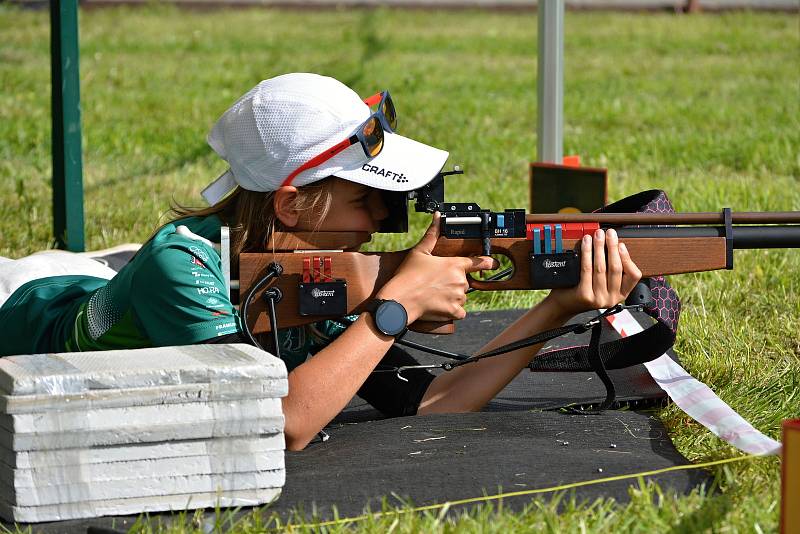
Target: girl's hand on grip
[[433, 288]]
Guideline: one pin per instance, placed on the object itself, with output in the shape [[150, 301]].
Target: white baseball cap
[[285, 121]]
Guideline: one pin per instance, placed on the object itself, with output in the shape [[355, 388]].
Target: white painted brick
[[141, 451], [189, 501], [142, 434], [76, 372], [145, 396], [142, 487], [242, 462], [201, 413]]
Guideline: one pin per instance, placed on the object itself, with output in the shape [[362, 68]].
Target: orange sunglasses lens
[[373, 135], [387, 107]]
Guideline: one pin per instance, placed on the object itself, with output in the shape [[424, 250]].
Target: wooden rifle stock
[[655, 250]]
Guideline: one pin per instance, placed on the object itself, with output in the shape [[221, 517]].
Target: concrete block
[[145, 396], [76, 372], [141, 487], [187, 501], [139, 469], [103, 419], [217, 447], [149, 433]]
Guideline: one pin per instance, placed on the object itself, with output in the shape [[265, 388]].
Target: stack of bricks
[[124, 432]]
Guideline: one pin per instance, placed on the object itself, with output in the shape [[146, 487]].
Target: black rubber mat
[[436, 458], [512, 445]]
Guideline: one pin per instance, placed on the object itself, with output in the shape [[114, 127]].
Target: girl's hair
[[251, 215]]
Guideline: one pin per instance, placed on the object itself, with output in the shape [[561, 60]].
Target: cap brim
[[402, 165]]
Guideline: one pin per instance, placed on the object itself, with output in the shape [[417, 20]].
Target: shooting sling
[[664, 307], [652, 342]]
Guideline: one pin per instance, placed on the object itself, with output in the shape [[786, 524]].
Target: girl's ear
[[285, 200]]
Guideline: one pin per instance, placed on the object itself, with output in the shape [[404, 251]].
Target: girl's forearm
[[470, 387], [322, 386]]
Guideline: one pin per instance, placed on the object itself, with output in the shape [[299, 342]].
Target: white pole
[[550, 81]]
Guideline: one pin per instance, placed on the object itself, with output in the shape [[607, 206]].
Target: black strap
[[598, 367], [617, 354], [596, 354]]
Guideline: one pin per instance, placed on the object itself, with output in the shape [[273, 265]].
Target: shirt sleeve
[[179, 297]]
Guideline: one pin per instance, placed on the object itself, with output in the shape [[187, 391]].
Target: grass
[[705, 107]]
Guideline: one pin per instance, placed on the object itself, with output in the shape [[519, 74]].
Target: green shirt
[[171, 293]]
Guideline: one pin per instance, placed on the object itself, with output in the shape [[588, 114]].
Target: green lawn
[[705, 107]]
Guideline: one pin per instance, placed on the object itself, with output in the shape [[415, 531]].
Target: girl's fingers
[[480, 263], [614, 261], [585, 285], [428, 241], [631, 273], [599, 282]]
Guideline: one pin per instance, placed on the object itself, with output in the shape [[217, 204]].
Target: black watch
[[390, 316]]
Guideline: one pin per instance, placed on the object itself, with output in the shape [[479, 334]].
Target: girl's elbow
[[296, 442], [295, 433]]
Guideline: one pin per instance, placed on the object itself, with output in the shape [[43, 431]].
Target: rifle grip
[[433, 327]]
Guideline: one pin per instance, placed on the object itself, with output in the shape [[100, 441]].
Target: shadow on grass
[[160, 168], [710, 514]]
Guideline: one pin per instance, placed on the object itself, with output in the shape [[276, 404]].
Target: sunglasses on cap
[[369, 134]]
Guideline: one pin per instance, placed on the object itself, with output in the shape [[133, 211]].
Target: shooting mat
[[518, 442]]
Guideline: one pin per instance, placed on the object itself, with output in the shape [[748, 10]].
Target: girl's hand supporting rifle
[[603, 284], [433, 288], [429, 287]]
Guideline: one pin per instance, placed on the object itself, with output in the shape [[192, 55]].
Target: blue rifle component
[[548, 237], [552, 269], [559, 243]]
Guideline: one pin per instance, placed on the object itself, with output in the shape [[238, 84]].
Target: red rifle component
[[570, 230], [316, 263]]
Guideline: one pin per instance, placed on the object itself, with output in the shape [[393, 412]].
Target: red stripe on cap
[[317, 160]]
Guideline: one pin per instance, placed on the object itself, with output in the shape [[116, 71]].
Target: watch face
[[391, 317]]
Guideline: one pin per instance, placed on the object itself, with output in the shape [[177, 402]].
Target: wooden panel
[[366, 272]]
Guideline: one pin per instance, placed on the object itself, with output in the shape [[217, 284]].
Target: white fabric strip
[[697, 400], [216, 190], [225, 256]]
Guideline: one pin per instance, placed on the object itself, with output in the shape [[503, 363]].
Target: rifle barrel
[[744, 237], [744, 217]]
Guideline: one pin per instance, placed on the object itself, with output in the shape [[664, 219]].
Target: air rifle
[[319, 275]]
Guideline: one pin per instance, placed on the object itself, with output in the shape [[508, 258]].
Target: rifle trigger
[[485, 236]]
